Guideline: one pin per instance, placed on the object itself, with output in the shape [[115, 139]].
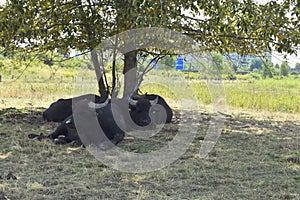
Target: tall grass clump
[[269, 95]]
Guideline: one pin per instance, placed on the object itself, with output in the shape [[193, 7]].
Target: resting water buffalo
[[162, 112], [82, 119], [62, 108], [113, 117]]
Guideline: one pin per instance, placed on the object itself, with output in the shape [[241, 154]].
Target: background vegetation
[[252, 91]]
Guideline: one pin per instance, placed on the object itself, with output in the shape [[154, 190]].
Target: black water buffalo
[[115, 117], [161, 112], [85, 119], [62, 108], [135, 112]]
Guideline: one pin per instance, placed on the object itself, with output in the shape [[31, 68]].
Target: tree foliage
[[168, 62], [256, 64], [268, 70], [223, 25], [284, 69], [217, 59], [297, 67], [241, 26], [246, 27]]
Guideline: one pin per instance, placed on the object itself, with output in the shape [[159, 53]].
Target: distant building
[[244, 61]]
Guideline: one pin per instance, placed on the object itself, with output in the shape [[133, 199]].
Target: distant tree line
[[258, 67]]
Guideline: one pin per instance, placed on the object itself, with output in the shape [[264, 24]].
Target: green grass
[[269, 95], [261, 95], [254, 158], [255, 95]]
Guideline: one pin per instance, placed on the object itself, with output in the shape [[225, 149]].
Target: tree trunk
[[99, 74], [130, 73]]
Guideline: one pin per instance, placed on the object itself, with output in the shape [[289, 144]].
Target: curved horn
[[153, 102], [132, 102], [98, 105]]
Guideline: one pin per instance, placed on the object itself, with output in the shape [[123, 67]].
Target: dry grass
[[253, 159], [256, 156]]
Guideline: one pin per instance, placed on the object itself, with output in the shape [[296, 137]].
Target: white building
[[244, 61]]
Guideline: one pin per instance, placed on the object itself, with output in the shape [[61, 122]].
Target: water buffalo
[[161, 112], [62, 108], [82, 120], [115, 117], [134, 112]]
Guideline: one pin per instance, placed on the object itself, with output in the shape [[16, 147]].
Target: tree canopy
[[222, 25], [241, 26]]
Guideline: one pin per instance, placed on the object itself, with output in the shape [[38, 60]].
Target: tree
[[81, 25], [284, 69], [256, 64], [268, 70], [217, 59], [168, 62], [227, 68], [297, 67], [242, 26]]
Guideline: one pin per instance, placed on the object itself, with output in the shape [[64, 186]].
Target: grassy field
[[253, 159], [254, 95], [256, 157]]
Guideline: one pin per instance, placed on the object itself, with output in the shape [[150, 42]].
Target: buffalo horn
[[153, 102], [98, 105], [132, 102]]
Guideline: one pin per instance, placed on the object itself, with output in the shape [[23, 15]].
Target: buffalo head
[[139, 110]]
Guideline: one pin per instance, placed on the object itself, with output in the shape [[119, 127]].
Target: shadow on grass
[[253, 159]]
